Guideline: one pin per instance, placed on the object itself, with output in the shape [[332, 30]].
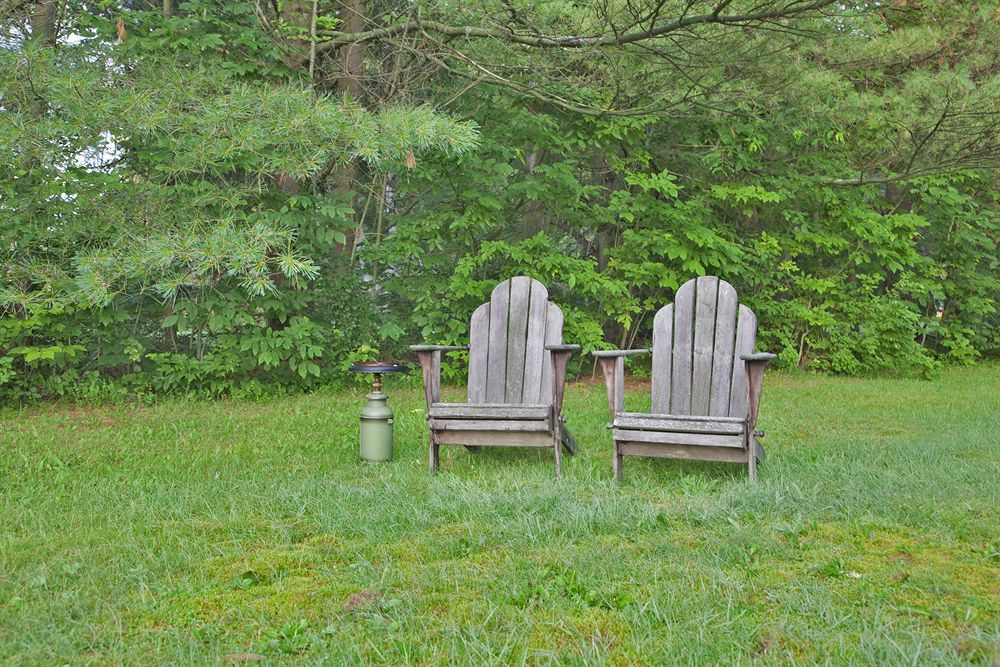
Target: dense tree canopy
[[228, 196]]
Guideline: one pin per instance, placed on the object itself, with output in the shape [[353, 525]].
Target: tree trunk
[[297, 14], [533, 219], [350, 84], [43, 22], [605, 177], [352, 57]]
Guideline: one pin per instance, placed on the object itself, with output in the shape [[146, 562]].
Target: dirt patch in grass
[[360, 600]]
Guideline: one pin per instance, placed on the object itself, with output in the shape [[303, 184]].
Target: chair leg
[[434, 453], [618, 460], [752, 464], [557, 446]]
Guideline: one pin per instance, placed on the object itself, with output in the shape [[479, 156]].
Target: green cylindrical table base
[[376, 428]]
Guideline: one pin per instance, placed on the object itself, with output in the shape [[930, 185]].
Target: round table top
[[378, 367]]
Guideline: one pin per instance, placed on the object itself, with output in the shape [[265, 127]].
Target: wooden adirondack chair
[[517, 373], [706, 382]]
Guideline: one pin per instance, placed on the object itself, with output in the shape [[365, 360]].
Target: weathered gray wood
[[676, 438], [430, 365], [567, 439], [755, 381], [494, 438], [479, 350], [560, 355], [706, 297], [557, 444], [517, 375], [534, 349], [758, 356], [647, 423], [694, 418], [618, 353], [619, 386], [725, 352], [746, 332], [490, 425], [680, 375], [613, 369], [496, 371], [705, 389], [758, 450], [488, 411], [553, 336], [663, 354], [560, 358], [434, 453], [517, 337], [728, 454]]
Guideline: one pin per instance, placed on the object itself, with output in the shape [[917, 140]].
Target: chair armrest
[[560, 357], [758, 356], [756, 364], [613, 368], [430, 364], [603, 354]]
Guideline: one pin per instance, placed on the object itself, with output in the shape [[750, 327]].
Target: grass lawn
[[192, 532]]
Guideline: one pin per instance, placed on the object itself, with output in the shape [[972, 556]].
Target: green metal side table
[[376, 416]]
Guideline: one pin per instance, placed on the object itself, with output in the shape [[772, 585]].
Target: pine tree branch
[[785, 11]]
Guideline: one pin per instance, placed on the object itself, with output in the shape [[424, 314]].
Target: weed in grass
[[290, 639]]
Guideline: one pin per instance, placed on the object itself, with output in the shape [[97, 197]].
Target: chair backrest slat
[[553, 336], [496, 365], [517, 338], [680, 372], [535, 355], [697, 342], [663, 357], [508, 362], [724, 354], [706, 298], [746, 334], [479, 346]]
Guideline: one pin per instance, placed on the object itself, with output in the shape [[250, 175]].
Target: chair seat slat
[[669, 423]]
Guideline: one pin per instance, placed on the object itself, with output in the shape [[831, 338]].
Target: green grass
[[188, 532]]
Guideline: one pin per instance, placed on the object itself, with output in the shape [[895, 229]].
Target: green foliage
[[191, 208], [291, 639], [845, 277], [168, 226]]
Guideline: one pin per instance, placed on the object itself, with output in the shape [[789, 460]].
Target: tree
[[750, 180], [221, 196], [151, 188]]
